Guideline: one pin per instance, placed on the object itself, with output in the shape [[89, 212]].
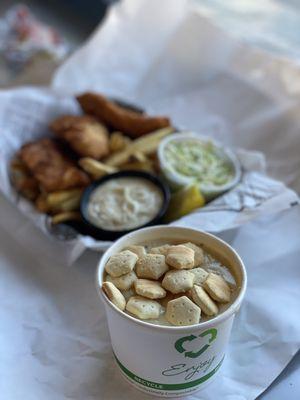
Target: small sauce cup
[[105, 234]]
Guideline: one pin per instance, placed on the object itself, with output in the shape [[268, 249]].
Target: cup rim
[[232, 309]]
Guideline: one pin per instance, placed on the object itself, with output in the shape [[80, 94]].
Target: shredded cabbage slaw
[[200, 160]]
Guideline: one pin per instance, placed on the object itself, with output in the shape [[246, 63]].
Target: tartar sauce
[[124, 203]]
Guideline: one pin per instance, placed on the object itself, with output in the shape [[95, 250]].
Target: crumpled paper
[[161, 60]]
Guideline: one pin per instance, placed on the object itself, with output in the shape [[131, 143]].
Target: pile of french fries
[[138, 154], [125, 154]]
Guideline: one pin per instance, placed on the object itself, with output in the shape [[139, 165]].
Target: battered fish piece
[[66, 122], [119, 118], [22, 179], [84, 134], [50, 167]]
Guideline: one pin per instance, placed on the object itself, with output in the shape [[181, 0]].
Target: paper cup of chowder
[[170, 296]]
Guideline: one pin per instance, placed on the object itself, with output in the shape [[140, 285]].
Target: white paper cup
[[171, 361]]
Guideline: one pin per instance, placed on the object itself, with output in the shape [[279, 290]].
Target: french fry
[[56, 199], [146, 144], [95, 168], [57, 202], [118, 141], [71, 204], [65, 216], [138, 166], [138, 156]]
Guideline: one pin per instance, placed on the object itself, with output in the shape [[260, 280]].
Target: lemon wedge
[[183, 202]]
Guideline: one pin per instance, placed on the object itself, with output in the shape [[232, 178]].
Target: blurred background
[[36, 36]]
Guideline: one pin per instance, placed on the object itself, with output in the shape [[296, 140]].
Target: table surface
[[238, 17]]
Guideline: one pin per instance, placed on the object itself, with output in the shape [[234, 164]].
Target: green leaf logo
[[179, 344]]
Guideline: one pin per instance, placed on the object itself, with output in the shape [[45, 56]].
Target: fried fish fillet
[[84, 134], [23, 180], [119, 118], [51, 168]]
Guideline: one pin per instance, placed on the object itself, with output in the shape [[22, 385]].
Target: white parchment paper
[[168, 58]]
